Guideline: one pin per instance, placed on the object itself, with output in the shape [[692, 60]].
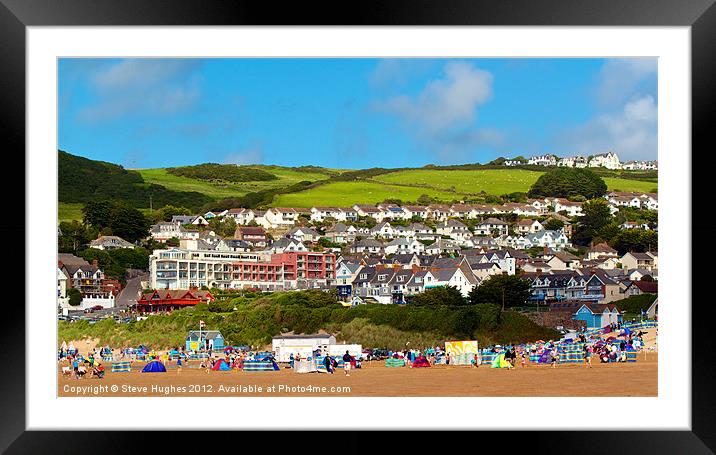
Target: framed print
[[417, 219]]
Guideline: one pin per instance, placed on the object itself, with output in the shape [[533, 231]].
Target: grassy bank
[[256, 320]]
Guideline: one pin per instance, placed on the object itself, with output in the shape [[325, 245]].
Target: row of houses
[[645, 201], [397, 279], [285, 217], [609, 160]]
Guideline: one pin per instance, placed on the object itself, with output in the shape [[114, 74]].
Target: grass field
[[492, 181], [218, 191], [630, 185], [348, 193], [497, 181], [67, 211]]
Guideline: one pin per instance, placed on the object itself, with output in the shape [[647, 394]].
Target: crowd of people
[[78, 366]]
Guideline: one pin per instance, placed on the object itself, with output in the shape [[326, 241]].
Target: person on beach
[[555, 358], [525, 356], [328, 364], [347, 363], [588, 352], [179, 364]]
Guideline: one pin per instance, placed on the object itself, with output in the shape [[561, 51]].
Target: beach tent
[[546, 356], [421, 362], [500, 362], [154, 367], [221, 365]]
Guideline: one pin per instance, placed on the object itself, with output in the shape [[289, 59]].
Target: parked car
[[379, 354]]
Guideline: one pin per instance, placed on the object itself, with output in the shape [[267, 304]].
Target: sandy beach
[[376, 380]]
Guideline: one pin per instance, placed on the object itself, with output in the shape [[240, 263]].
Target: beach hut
[[204, 340], [598, 315]]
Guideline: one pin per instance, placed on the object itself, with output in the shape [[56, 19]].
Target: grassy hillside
[[67, 211], [82, 180], [630, 185], [348, 193], [221, 190], [491, 181]]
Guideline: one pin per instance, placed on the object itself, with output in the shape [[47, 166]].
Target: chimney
[[545, 251], [95, 263]]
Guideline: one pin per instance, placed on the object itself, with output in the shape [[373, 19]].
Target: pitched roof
[[602, 248], [651, 287]]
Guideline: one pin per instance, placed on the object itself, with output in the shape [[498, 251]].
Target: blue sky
[[354, 113]]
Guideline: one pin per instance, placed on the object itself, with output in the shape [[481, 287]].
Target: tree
[[224, 227], [440, 296], [168, 211], [569, 183], [75, 296], [74, 235], [553, 224], [492, 199], [124, 221], [505, 290], [424, 199], [636, 240], [596, 216]]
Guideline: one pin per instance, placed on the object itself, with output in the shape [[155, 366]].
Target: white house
[[279, 217], [571, 208], [373, 212], [62, 300], [161, 232], [404, 246], [321, 213], [525, 226], [551, 239], [452, 276], [286, 245], [490, 226], [241, 215], [110, 242], [384, 230], [303, 234], [543, 160], [608, 160]]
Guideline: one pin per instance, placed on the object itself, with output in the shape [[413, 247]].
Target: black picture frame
[[700, 15]]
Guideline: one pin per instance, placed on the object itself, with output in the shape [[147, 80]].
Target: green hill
[[82, 180], [217, 186]]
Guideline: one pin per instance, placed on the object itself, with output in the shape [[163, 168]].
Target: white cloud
[[630, 132], [399, 70], [142, 86], [251, 156], [618, 78], [444, 103]]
